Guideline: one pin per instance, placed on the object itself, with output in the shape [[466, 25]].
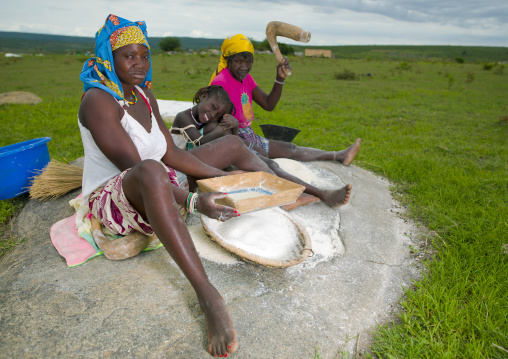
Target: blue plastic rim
[[19, 163]]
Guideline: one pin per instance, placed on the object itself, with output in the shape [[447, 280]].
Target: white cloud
[[199, 33], [331, 22]]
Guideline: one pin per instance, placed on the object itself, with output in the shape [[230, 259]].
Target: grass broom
[[55, 180]]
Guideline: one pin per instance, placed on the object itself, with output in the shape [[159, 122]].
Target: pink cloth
[[69, 244], [240, 94]]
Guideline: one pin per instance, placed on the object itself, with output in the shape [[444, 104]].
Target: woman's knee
[[292, 147], [232, 142], [149, 173], [235, 140]]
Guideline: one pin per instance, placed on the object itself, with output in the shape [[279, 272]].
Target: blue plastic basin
[[19, 163]]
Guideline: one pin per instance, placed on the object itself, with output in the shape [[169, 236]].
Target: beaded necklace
[[192, 115], [135, 99]]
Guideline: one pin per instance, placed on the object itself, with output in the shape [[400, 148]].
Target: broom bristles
[[55, 180]]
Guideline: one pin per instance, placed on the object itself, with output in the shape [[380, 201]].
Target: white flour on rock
[[320, 221], [268, 233], [207, 248]]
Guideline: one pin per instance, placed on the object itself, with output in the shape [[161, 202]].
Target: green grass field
[[437, 130]]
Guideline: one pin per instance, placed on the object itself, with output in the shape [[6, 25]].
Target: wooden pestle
[[278, 28]]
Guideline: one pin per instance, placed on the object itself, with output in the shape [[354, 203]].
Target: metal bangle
[[279, 82]]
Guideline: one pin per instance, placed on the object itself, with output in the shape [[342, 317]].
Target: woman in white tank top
[[129, 159]]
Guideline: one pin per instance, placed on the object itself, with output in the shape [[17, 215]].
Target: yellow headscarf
[[126, 36], [232, 45]]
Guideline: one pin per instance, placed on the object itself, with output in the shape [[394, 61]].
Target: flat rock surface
[[170, 108], [19, 97], [144, 307]]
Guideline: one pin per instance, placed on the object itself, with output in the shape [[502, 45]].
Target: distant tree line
[[29, 43], [265, 46], [173, 44]]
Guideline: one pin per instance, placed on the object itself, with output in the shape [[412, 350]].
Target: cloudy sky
[[331, 22]]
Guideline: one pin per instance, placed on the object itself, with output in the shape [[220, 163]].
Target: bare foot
[[221, 332], [337, 198], [303, 200], [346, 156]]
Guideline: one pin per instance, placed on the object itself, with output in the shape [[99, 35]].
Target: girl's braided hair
[[219, 93]]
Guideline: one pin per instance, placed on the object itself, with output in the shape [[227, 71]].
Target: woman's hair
[[217, 92]]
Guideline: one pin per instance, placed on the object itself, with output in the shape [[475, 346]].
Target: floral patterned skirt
[[110, 206]]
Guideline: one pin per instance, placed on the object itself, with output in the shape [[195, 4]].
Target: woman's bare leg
[[227, 151], [230, 150], [333, 198], [279, 149], [148, 189]]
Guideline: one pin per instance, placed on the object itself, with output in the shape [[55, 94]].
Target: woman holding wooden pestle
[[233, 75]]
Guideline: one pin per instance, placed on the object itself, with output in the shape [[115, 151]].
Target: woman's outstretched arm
[[268, 102]]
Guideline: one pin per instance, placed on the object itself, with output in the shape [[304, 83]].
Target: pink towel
[[73, 239], [69, 244]]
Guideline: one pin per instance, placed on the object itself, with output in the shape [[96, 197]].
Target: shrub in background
[[499, 70], [488, 66], [170, 44], [404, 66], [346, 75]]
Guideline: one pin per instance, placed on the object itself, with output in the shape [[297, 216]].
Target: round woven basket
[[303, 238]]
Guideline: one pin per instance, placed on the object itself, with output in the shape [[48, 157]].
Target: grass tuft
[[346, 75]]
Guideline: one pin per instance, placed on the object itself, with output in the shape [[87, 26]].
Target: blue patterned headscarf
[[99, 71]]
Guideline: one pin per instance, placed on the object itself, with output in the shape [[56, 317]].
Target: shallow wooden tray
[[275, 191]]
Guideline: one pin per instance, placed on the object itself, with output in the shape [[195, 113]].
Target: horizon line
[[92, 38]]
